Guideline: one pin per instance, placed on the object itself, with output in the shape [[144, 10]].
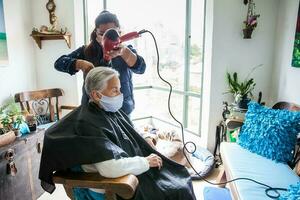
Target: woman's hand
[[116, 52], [128, 56], [83, 65], [154, 160], [150, 141]]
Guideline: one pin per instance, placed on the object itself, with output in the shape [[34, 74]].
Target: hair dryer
[[111, 40]]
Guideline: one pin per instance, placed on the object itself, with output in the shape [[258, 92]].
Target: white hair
[[98, 77]]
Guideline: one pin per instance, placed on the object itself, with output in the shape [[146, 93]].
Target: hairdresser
[[125, 59]]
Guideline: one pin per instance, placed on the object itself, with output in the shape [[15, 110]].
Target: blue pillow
[[270, 133], [293, 193]]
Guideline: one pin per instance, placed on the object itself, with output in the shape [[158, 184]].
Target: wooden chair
[[293, 107], [286, 105], [124, 186], [45, 104]]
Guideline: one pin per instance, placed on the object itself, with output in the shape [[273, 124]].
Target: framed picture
[[296, 52], [3, 41]]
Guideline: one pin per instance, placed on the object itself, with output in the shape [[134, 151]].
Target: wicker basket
[[7, 138]]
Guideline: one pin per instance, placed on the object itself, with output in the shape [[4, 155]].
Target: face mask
[[111, 104]]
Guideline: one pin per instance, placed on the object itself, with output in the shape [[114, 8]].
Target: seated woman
[[100, 137]]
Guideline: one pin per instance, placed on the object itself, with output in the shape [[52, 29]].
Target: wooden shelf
[[38, 37]]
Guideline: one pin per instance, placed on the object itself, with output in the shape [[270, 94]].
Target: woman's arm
[[116, 168], [73, 62], [139, 66], [128, 55]]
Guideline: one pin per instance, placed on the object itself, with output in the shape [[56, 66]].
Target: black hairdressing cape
[[89, 135]]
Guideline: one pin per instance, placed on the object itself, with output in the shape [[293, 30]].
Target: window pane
[[94, 7], [168, 28], [142, 104], [197, 25], [194, 114], [151, 102]]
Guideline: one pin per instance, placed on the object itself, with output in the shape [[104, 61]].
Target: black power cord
[[268, 188]]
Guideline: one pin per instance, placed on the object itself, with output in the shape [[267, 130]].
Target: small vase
[[32, 127], [243, 103], [247, 33], [17, 132]]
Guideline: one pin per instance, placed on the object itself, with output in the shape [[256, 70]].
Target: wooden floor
[[59, 193]]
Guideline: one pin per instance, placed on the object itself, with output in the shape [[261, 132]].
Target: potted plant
[[10, 120], [31, 121], [241, 90], [251, 20], [18, 120], [6, 134]]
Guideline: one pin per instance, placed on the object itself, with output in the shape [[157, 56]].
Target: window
[[91, 11], [178, 27]]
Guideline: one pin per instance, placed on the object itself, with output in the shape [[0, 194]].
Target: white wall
[[230, 52], [286, 79], [20, 75], [47, 75]]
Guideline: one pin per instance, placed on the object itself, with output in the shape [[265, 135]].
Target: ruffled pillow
[[269, 132], [293, 193]]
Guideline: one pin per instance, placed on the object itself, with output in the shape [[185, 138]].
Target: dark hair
[[104, 17]]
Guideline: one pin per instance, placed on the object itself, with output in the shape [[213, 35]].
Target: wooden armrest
[[234, 123], [68, 107], [124, 186]]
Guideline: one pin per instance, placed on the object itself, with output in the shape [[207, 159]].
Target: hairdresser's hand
[[116, 52], [83, 65], [154, 160]]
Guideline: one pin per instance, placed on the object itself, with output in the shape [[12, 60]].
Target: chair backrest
[[286, 105], [44, 104], [293, 107]]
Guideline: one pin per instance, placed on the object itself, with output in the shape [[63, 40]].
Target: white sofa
[[239, 162]]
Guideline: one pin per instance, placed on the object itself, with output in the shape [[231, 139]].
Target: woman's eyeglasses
[[101, 33]]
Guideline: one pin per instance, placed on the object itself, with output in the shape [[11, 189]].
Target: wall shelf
[[38, 37]]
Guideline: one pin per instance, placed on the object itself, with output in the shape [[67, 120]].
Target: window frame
[[186, 93]]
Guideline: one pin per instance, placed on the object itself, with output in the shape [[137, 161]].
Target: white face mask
[[111, 104]]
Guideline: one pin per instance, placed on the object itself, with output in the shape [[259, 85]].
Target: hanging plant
[[251, 20]]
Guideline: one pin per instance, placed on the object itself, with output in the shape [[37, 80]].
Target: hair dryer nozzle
[[111, 40]]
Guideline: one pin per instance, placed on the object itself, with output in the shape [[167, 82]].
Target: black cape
[[89, 135]]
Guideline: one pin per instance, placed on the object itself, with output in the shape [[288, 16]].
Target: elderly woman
[[100, 137]]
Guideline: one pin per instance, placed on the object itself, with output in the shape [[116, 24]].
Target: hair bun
[[105, 17], [104, 11]]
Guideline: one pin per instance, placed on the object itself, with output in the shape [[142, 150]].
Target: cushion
[[293, 193], [270, 132]]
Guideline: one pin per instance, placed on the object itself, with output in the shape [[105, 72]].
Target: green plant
[[251, 21], [10, 116], [6, 123], [240, 89], [19, 120]]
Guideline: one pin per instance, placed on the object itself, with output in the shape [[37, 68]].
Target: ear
[[95, 95]]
